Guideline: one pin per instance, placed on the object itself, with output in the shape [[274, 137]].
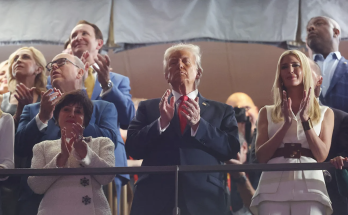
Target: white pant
[[292, 208]]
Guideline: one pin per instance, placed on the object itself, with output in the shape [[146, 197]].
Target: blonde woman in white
[[293, 130]]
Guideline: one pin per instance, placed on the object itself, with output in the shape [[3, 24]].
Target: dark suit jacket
[[337, 94], [122, 99], [216, 141], [339, 147], [103, 124]]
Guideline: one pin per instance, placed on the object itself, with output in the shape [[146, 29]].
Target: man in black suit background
[[339, 146], [182, 128]]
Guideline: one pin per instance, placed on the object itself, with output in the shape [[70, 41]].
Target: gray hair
[[80, 64], [194, 49]]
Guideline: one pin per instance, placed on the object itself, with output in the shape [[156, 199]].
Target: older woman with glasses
[[81, 194], [27, 79]]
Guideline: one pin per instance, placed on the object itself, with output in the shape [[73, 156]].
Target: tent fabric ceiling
[[335, 9], [161, 21], [50, 21]]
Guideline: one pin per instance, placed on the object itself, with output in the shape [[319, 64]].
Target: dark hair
[[67, 42], [97, 32], [75, 97]]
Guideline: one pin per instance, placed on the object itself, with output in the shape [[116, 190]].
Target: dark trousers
[[339, 203], [29, 206]]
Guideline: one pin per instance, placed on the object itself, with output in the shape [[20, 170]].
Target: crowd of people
[[72, 118]]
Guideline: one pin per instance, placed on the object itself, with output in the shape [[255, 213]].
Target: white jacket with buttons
[[76, 194]]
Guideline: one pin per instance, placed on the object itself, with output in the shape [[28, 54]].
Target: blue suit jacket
[[122, 99], [103, 124], [337, 94], [216, 141]]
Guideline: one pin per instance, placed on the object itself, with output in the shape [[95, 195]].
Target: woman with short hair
[[75, 194]]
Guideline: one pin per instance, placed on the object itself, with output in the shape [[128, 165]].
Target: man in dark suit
[[182, 128], [323, 36], [339, 146], [86, 41], [36, 122]]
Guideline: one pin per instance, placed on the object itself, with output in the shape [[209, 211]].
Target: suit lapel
[[342, 67], [97, 89]]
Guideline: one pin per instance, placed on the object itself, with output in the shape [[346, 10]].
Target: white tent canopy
[[159, 21]]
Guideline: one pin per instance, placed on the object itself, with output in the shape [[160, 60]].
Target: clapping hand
[[49, 99], [103, 63], [166, 109], [65, 149], [193, 112], [286, 108], [304, 106], [77, 137], [24, 95]]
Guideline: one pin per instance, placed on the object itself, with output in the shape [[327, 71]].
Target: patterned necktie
[[182, 119], [90, 82]]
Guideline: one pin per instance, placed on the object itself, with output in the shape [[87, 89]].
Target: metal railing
[[167, 169]]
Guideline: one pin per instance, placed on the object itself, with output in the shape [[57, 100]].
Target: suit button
[[86, 200], [84, 181]]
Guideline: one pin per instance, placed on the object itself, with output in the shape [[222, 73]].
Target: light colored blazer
[[80, 194], [7, 129]]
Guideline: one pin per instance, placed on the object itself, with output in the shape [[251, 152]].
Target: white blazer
[[76, 194]]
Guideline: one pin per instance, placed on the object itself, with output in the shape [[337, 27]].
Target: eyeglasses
[[60, 62]]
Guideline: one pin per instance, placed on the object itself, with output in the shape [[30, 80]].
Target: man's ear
[[336, 32], [100, 44], [199, 73], [80, 73]]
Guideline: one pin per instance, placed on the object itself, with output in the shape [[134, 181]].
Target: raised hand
[[338, 161], [286, 108], [65, 148], [49, 99], [24, 95], [166, 109], [86, 58], [304, 106], [103, 63], [193, 112], [77, 136]]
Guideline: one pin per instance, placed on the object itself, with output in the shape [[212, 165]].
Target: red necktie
[[182, 119]]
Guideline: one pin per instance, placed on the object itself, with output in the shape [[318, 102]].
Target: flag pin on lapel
[[203, 103]]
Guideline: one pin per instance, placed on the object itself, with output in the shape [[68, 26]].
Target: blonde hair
[[314, 111], [40, 79]]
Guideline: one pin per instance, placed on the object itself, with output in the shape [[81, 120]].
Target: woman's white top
[[284, 186], [73, 194], [7, 132]]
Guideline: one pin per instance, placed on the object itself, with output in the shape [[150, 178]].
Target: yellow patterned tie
[[90, 82]]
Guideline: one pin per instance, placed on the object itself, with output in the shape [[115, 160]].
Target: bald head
[[240, 100]]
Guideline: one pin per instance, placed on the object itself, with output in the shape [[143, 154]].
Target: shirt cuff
[[106, 92], [40, 125], [159, 126], [193, 133]]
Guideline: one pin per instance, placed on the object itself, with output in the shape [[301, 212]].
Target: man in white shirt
[[323, 37]]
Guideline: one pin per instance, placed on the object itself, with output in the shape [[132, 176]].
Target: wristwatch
[[110, 84], [240, 180]]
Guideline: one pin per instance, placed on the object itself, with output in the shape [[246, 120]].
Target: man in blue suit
[[36, 122], [86, 40], [323, 37], [182, 128]]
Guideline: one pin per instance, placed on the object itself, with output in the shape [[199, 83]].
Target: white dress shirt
[[328, 67], [7, 133], [192, 95]]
